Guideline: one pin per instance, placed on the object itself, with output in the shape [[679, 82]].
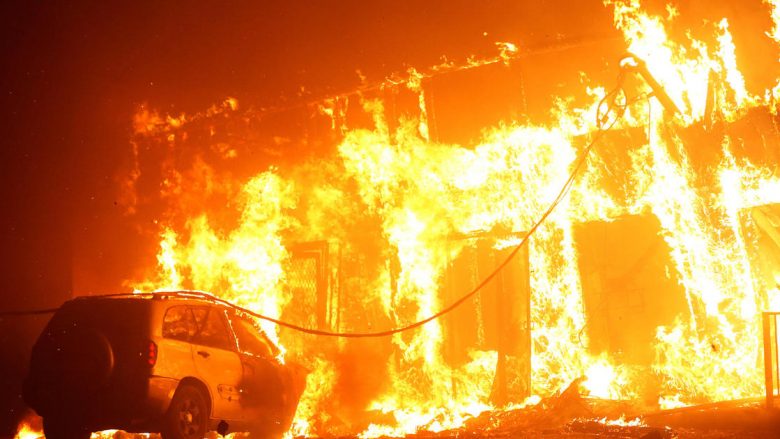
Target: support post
[[768, 355]]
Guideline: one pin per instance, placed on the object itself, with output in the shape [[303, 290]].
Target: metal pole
[[768, 361], [773, 343]]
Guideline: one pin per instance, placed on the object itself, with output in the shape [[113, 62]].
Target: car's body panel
[[191, 340], [221, 369], [174, 359]]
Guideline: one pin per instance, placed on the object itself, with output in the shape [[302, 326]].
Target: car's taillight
[[151, 353]]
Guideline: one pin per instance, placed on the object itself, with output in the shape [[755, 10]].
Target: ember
[[636, 294]]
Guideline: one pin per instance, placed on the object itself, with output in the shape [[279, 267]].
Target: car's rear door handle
[[203, 354]]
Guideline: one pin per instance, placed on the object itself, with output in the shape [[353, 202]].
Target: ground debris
[[551, 412], [605, 429], [566, 414]]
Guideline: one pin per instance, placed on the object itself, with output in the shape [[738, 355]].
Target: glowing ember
[[636, 422]]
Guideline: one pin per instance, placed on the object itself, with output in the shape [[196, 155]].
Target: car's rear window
[[110, 316], [212, 327]]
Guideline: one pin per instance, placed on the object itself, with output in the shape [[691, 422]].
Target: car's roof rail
[[104, 296], [184, 294], [160, 294]]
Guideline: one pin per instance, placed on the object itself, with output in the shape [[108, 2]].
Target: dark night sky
[[74, 72]]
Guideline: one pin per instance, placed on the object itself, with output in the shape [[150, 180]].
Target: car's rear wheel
[[187, 415], [61, 428]]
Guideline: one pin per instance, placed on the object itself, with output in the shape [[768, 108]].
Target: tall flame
[[417, 193]]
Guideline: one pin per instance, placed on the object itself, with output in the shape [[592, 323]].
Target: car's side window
[[212, 328], [250, 340], [179, 323]]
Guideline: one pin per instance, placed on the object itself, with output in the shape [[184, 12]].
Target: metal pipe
[[768, 360], [633, 63]]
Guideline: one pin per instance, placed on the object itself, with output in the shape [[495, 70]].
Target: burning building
[[628, 225]]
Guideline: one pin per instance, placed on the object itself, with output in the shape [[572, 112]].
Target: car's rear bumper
[[124, 406]]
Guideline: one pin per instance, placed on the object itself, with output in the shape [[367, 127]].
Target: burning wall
[[373, 202], [629, 286], [765, 256]]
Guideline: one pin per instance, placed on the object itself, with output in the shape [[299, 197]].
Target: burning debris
[[365, 216], [566, 414]]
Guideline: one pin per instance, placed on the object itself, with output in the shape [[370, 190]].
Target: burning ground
[[377, 207]]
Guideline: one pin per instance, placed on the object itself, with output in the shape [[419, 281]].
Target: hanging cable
[[609, 110], [564, 190]]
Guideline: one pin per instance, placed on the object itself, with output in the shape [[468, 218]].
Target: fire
[[440, 414], [409, 194], [246, 261], [26, 431], [706, 354], [621, 422], [30, 428], [319, 384]]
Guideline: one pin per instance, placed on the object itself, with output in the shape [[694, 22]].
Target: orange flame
[[420, 192], [25, 431]]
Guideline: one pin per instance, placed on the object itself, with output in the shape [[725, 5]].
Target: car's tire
[[188, 414], [59, 428]]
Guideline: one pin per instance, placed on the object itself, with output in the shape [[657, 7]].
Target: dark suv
[[180, 363]]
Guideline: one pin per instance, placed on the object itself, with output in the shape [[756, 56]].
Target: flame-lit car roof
[[177, 294]]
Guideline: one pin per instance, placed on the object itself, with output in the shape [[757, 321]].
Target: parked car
[[179, 363]]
